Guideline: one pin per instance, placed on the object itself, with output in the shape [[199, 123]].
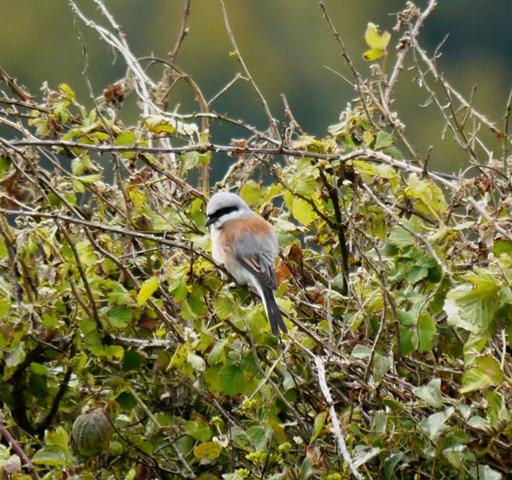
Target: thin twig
[[232, 39], [182, 33]]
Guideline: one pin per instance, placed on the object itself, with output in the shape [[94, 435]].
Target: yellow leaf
[[207, 451], [374, 39], [303, 211], [147, 289], [373, 54]]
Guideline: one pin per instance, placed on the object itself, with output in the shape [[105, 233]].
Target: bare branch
[[400, 58]]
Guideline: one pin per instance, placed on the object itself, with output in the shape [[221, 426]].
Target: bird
[[246, 245]]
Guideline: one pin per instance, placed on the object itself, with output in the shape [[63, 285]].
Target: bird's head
[[224, 206]]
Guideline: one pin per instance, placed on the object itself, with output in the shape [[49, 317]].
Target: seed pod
[[91, 433]]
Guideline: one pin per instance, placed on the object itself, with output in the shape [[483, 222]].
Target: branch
[[183, 32], [400, 58], [433, 70], [338, 433], [9, 438]]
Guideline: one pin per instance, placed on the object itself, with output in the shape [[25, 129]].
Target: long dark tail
[[273, 313]]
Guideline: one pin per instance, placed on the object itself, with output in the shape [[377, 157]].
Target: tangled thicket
[[395, 281]]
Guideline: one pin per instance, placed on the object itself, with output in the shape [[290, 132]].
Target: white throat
[[218, 224]]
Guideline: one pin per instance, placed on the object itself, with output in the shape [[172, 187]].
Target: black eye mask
[[218, 214]]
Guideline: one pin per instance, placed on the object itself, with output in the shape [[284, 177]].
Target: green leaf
[[259, 437], [426, 332], [430, 393], [435, 424], [4, 253], [67, 91], [86, 253], [126, 139], [224, 307], [56, 452], [497, 408], [502, 247], [5, 306], [384, 139], [472, 306], [363, 454], [147, 289], [400, 237], [369, 170], [231, 380], [52, 456], [303, 211], [190, 160], [430, 196], [120, 316], [217, 354], [486, 373], [318, 426], [199, 429]]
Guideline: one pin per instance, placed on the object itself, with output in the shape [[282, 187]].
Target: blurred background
[[286, 44]]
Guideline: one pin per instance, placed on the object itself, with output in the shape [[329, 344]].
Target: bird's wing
[[261, 268], [253, 244]]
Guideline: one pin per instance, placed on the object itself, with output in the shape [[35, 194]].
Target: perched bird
[[246, 245]]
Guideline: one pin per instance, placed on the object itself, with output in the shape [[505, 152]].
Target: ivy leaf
[[16, 355], [56, 452], [426, 332], [199, 430], [435, 424], [384, 139], [400, 237], [430, 393], [363, 454], [120, 316], [497, 407], [259, 437], [231, 380], [429, 195], [217, 354], [147, 289], [224, 307], [472, 306], [390, 464], [485, 373]]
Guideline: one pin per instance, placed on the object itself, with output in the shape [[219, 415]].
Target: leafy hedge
[[395, 281]]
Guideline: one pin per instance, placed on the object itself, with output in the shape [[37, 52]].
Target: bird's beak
[[209, 221]]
